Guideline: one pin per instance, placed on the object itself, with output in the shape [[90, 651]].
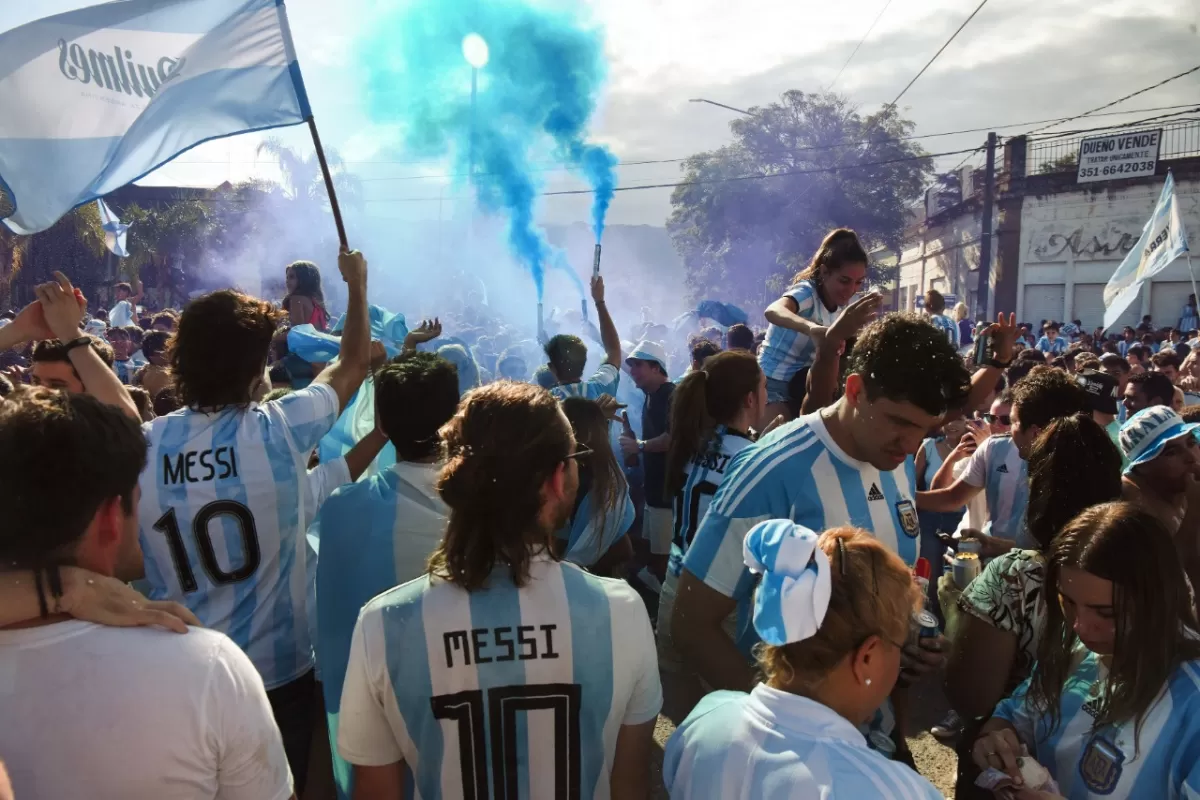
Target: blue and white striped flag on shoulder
[[97, 98]]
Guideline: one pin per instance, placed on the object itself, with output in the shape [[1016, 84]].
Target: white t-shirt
[[519, 687], [121, 315], [132, 713]]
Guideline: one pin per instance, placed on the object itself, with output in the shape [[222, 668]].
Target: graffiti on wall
[[1111, 239]]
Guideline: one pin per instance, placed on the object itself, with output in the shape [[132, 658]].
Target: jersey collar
[[803, 715]]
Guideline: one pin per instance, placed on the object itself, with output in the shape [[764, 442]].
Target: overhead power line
[[1118, 100], [702, 181], [860, 44], [939, 52]]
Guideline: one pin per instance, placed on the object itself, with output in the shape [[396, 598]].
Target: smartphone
[[983, 349]]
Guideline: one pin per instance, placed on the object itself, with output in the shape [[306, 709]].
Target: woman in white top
[[798, 320], [833, 612]]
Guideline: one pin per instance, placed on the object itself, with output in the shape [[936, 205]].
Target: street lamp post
[[722, 105], [475, 51]]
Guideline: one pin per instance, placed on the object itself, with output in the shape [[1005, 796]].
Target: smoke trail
[[536, 96]]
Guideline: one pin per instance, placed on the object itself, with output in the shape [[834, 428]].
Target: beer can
[[965, 569], [970, 546], [926, 624]]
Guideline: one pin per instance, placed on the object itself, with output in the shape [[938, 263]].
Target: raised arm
[[348, 373], [138, 292], [608, 331], [825, 371], [983, 382], [63, 315]]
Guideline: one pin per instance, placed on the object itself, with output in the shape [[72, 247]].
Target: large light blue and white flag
[[114, 230], [1163, 240], [96, 98]]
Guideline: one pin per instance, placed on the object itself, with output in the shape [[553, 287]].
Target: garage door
[[1089, 308], [1043, 301], [1167, 300]]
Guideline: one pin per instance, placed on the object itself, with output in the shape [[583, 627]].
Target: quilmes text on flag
[[115, 72]]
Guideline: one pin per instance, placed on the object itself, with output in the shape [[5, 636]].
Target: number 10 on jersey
[[499, 737]]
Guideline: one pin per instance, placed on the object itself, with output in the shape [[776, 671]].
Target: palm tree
[[302, 178]]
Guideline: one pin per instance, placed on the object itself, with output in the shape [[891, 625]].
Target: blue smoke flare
[[536, 96]]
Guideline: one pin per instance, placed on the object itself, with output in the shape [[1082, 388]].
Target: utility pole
[[985, 235]]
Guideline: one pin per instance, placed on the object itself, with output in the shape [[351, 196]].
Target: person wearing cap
[[566, 357], [648, 370], [1102, 394], [1162, 456], [833, 613]]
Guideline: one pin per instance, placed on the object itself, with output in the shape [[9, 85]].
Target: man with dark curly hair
[[850, 463], [222, 512]]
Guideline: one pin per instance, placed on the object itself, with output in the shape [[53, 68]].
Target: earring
[[868, 681]]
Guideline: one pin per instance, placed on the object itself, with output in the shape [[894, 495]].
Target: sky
[[1017, 61]]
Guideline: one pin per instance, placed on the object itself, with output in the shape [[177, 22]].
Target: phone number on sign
[[1117, 169]]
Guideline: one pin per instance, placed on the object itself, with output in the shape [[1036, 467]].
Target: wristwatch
[[82, 341], [641, 446]]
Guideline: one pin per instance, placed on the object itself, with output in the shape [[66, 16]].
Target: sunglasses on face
[[992, 419]]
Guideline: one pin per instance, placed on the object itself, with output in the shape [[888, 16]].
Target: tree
[[1064, 163], [302, 178], [752, 213]]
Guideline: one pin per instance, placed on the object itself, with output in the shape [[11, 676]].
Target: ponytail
[[839, 248], [703, 400]]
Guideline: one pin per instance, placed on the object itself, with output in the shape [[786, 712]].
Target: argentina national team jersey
[[798, 472], [946, 326], [1055, 347], [372, 536], [502, 692], [605, 381], [770, 743], [785, 352], [585, 543], [222, 516], [707, 472], [998, 468], [1088, 763]]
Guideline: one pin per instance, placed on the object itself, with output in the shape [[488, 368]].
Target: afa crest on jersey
[[907, 513], [1100, 765]]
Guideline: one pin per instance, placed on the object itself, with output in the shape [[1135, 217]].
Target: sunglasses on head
[[992, 419], [580, 452]]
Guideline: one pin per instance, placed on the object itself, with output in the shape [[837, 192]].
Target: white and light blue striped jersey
[[603, 382], [1123, 347], [1070, 330], [770, 743], [798, 472], [1092, 764], [121, 315], [124, 370], [505, 691], [946, 326], [785, 352], [585, 544], [370, 536], [997, 468], [1055, 347], [222, 516], [708, 469]]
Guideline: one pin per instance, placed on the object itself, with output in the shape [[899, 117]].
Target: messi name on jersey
[[485, 645], [195, 466]]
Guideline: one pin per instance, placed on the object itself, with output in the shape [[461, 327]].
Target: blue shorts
[[777, 391]]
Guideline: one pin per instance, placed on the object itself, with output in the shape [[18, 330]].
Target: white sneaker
[[649, 580], [951, 725]]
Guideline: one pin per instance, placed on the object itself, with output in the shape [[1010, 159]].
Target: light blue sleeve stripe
[[408, 667], [592, 658]]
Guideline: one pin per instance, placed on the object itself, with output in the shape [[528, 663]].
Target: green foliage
[[1064, 163], [743, 237]]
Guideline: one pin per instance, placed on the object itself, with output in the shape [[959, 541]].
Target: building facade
[[1056, 242]]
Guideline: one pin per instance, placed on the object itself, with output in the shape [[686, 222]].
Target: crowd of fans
[[533, 549]]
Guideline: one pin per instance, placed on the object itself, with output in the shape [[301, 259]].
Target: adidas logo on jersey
[[874, 494], [1002, 468]]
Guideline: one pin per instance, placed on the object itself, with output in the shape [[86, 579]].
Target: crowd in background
[[457, 559]]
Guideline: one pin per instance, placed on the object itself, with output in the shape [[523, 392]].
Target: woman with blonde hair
[[961, 314], [833, 612]]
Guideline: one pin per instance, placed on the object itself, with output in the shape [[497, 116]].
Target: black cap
[[1101, 389]]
